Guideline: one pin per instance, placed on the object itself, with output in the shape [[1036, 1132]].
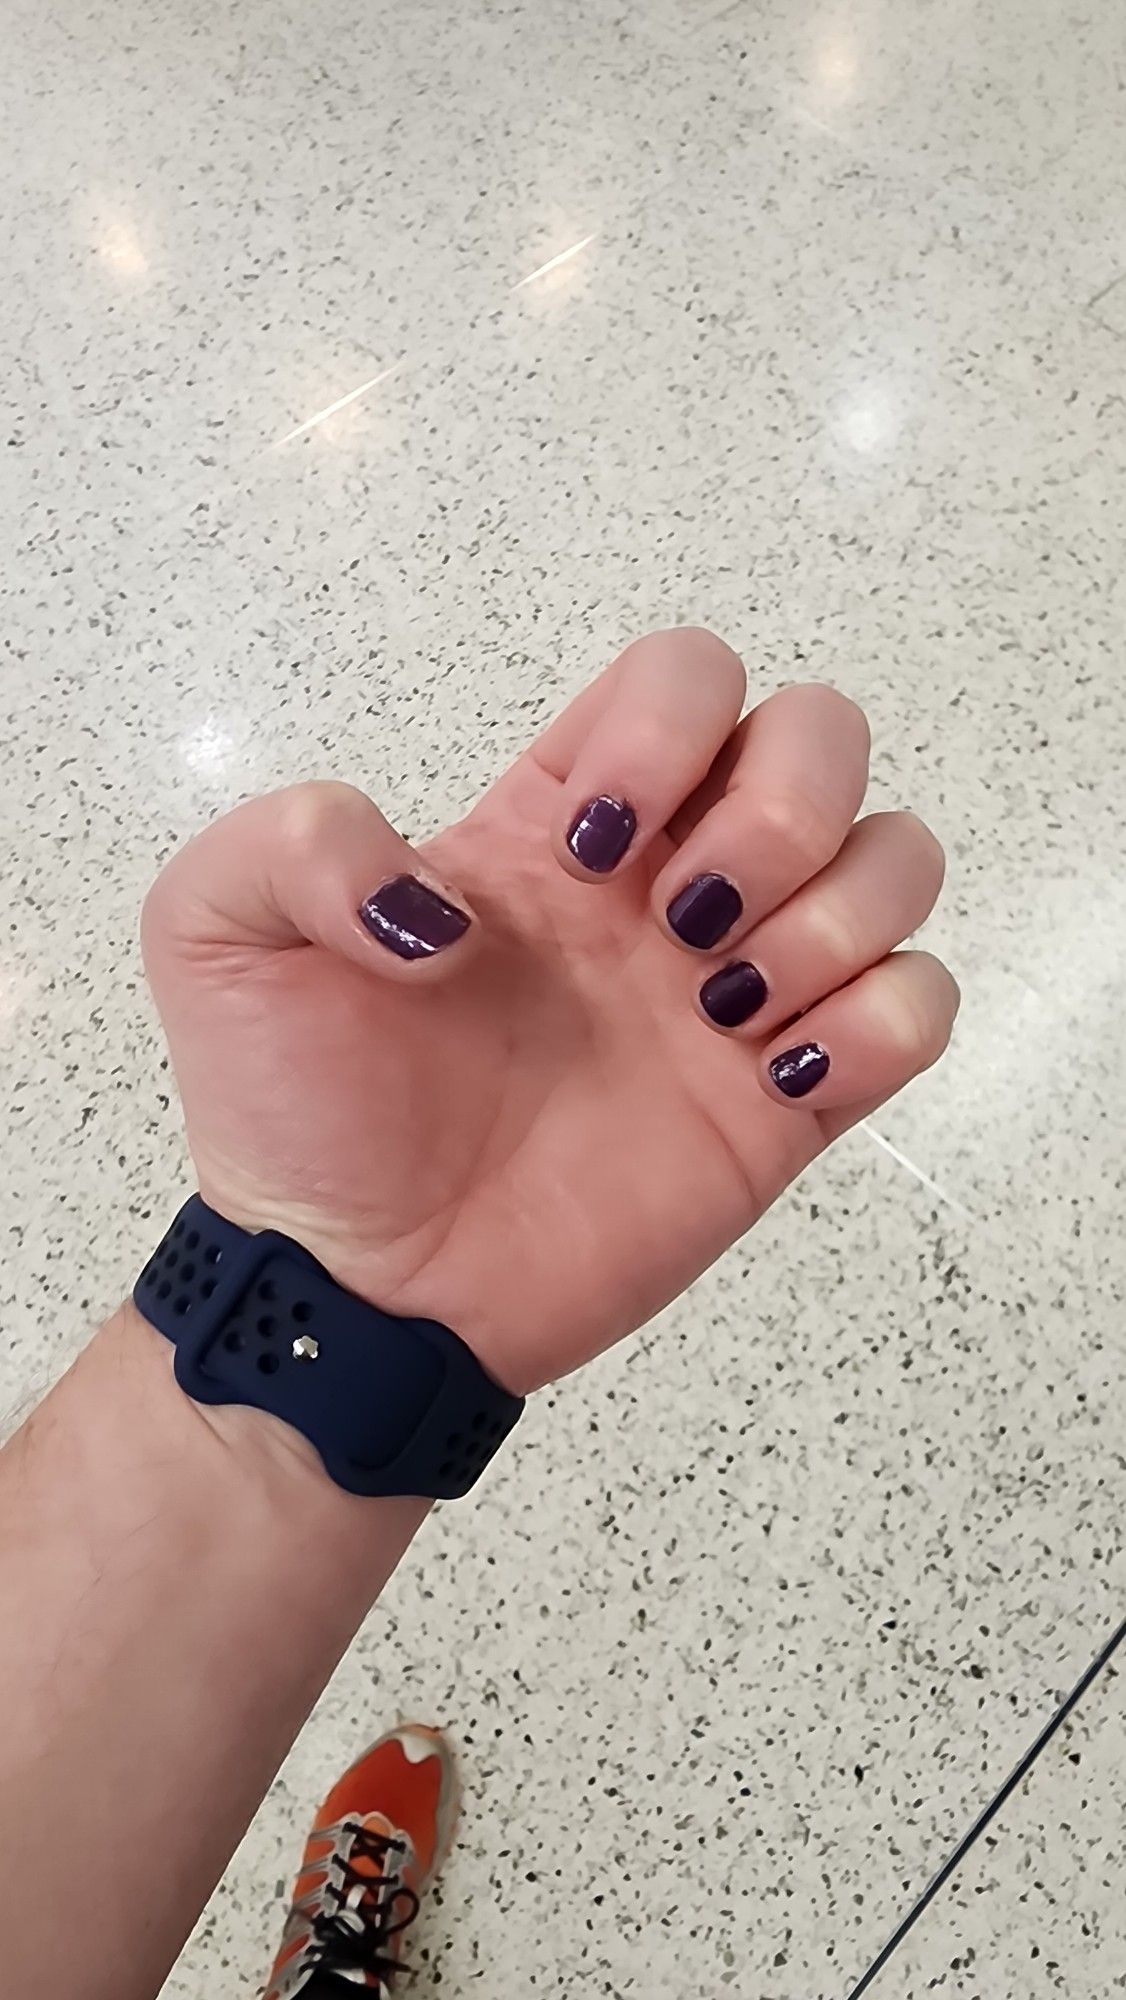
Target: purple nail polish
[[798, 1071], [601, 834], [705, 911], [733, 994], [412, 920]]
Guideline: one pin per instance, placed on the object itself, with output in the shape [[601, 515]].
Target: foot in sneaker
[[376, 1844]]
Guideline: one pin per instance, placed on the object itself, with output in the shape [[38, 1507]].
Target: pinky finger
[[855, 1049]]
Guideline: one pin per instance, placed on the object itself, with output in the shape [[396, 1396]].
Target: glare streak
[[553, 263], [902, 1160], [341, 403]]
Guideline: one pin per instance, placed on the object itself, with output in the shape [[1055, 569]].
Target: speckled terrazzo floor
[[312, 466]]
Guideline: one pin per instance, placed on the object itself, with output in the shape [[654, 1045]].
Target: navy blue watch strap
[[394, 1406]]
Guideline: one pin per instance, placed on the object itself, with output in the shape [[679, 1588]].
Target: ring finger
[[881, 887]]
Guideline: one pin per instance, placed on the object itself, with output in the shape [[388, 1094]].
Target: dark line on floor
[[1103, 292], [990, 1812]]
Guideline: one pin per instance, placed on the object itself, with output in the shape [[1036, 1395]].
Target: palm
[[534, 1136], [552, 1143]]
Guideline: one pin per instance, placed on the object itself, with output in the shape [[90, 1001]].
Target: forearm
[[176, 1585]]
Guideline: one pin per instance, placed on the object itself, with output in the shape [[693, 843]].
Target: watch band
[[393, 1406]]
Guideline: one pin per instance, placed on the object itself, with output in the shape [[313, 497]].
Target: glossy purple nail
[[601, 834], [798, 1071], [705, 911], [412, 920], [733, 994]]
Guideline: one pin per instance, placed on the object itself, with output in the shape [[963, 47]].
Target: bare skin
[[535, 1133], [542, 1101]]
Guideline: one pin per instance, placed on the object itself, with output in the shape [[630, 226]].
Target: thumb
[[317, 864]]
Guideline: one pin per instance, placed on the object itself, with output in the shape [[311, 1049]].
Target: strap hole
[[178, 1228], [496, 1428], [267, 1325], [150, 1275], [268, 1364], [172, 1258], [183, 1303], [187, 1272], [207, 1287], [233, 1342], [212, 1254], [445, 1470], [163, 1289], [267, 1290], [302, 1311], [193, 1239]]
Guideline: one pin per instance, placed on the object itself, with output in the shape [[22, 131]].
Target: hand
[[478, 1080]]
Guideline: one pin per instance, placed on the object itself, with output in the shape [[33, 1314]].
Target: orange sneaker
[[375, 1846]]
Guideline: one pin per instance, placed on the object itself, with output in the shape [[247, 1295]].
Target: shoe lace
[[356, 1935]]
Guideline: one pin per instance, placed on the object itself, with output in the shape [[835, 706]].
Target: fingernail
[[733, 994], [705, 911], [798, 1071], [411, 919], [601, 833]]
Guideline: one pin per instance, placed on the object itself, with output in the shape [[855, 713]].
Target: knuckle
[[651, 742], [847, 719], [153, 909], [793, 822], [918, 1004], [934, 853], [687, 650], [848, 714], [164, 896], [698, 639], [925, 845], [947, 994], [305, 810], [917, 850], [701, 633], [836, 940], [908, 1026], [704, 644]]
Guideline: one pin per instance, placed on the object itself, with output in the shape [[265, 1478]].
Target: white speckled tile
[[953, 498], [512, 501], [828, 1540], [1018, 103], [328, 174], [1108, 307], [845, 353], [1028, 1915], [762, 1605], [992, 95], [1072, 209]]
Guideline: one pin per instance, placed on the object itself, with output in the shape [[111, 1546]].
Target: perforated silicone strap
[[394, 1406]]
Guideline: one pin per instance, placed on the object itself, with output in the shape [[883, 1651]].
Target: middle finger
[[797, 784]]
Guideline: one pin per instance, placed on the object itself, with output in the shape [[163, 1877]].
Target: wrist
[[254, 1469], [412, 1286], [393, 1403]]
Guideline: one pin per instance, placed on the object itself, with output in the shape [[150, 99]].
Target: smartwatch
[[392, 1405]]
